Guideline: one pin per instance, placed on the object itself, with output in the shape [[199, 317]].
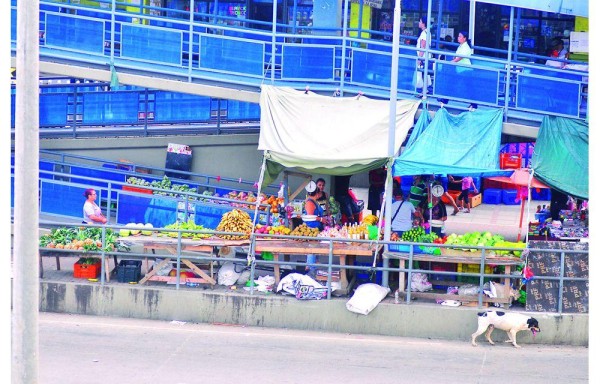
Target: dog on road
[[511, 323]]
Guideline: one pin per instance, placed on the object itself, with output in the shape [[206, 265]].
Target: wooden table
[[208, 246], [49, 252], [347, 253], [507, 262]]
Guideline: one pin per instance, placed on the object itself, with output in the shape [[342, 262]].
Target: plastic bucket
[[373, 232]]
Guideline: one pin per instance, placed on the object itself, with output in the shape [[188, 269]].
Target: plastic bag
[[366, 297], [164, 270], [419, 283], [228, 275], [468, 290]]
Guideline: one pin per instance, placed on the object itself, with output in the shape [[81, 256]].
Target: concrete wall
[[414, 320], [229, 155]]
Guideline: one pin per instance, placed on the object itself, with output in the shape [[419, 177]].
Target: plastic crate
[[129, 271], [443, 267], [364, 275], [472, 268], [542, 194], [492, 196], [404, 248], [509, 197], [86, 271], [510, 160]]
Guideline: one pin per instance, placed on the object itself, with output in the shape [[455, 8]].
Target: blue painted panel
[[74, 33], [374, 69], [61, 199], [176, 107], [461, 82], [107, 108], [13, 25], [103, 178], [541, 95], [241, 110], [53, 110], [307, 62], [151, 44], [12, 191], [157, 211], [46, 166], [13, 102], [210, 216], [229, 55]]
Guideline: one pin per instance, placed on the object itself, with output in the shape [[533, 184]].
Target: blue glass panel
[[231, 55], [241, 110], [374, 69], [74, 33], [107, 108], [151, 44], [61, 199], [13, 25], [473, 84], [175, 107], [547, 95], [307, 63], [53, 110]]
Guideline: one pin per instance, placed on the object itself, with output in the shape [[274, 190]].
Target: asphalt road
[[87, 350]]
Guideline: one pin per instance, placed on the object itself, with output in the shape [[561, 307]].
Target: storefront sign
[[371, 3]]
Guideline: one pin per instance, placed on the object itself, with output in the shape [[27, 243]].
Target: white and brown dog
[[506, 321]]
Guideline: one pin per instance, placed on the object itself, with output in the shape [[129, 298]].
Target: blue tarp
[[464, 144], [561, 155]]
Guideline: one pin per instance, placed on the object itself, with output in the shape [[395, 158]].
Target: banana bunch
[[304, 230], [235, 221], [370, 220]]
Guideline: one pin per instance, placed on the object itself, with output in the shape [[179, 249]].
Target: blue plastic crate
[[404, 248], [543, 194], [509, 197], [492, 196]]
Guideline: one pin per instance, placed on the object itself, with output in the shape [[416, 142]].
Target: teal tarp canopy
[[561, 155], [464, 144]]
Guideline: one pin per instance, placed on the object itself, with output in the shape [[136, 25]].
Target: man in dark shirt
[[347, 204]]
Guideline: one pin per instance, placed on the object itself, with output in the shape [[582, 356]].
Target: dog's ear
[[532, 323]]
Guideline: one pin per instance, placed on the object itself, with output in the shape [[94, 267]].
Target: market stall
[[346, 252]]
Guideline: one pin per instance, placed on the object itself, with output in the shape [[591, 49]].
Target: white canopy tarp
[[304, 130]]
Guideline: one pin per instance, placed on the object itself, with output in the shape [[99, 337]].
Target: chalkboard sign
[[542, 295], [179, 158]]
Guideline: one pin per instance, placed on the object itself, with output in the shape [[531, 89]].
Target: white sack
[[366, 297], [227, 274]]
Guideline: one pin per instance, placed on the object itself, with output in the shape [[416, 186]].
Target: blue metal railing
[[201, 48]]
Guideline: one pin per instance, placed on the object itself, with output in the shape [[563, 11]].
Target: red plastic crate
[[138, 190], [86, 271], [510, 160]]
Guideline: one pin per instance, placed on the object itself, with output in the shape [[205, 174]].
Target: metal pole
[[391, 134], [472, 22], [26, 285], [273, 41], [344, 45]]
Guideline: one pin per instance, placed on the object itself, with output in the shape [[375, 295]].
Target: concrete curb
[[276, 311]]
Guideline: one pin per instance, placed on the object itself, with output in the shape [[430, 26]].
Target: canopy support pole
[[392, 134]]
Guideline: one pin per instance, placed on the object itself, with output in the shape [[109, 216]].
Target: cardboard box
[[475, 200]]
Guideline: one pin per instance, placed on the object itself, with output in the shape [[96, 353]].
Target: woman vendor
[[312, 207]]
